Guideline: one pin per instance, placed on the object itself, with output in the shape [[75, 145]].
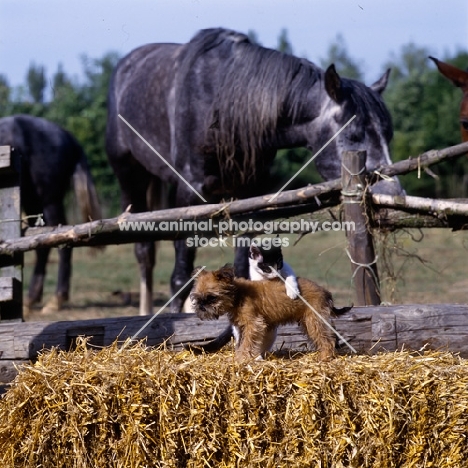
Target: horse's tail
[[85, 191]]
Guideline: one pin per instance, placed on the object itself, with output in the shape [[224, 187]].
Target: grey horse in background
[[217, 109]]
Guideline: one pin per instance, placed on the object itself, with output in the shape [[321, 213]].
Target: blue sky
[[51, 31]]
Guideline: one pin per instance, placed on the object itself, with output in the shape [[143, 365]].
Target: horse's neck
[[293, 136], [299, 134]]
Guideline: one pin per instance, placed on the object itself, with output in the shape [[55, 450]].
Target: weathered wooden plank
[[405, 310], [10, 226], [368, 329], [430, 321], [11, 266], [5, 157], [384, 332], [450, 339], [10, 288], [436, 326], [7, 341], [25, 340]]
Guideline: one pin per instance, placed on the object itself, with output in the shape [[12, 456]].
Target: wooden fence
[[366, 328], [11, 265]]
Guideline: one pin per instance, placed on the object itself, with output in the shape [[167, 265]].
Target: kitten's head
[[261, 259], [213, 294]]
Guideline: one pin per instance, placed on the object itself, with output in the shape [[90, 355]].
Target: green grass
[[433, 270]]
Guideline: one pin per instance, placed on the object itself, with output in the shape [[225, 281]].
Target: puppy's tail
[[336, 312], [212, 346], [341, 310]]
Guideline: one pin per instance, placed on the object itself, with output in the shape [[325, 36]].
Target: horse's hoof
[[28, 306], [26, 310], [54, 304]]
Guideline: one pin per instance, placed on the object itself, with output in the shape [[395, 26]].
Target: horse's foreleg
[[62, 292], [145, 253], [134, 180], [64, 275], [184, 258], [54, 215], [36, 286]]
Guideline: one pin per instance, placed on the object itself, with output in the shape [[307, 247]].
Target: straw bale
[[142, 407]]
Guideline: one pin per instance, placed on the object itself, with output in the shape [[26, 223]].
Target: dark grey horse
[[217, 109], [50, 157]]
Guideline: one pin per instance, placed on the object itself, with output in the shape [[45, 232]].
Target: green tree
[[345, 65], [36, 81], [425, 107], [98, 73], [283, 43], [5, 93], [410, 62], [60, 81], [253, 37], [81, 109]]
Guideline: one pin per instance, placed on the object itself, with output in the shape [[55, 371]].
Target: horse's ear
[[333, 84], [458, 77], [380, 85]]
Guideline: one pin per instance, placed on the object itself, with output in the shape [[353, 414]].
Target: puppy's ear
[[226, 273], [197, 270]]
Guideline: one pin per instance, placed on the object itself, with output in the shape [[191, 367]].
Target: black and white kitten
[[262, 260]]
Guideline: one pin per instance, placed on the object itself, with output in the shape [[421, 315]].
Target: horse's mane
[[257, 87]]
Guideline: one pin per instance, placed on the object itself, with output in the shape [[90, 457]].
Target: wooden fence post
[[360, 241], [11, 266]]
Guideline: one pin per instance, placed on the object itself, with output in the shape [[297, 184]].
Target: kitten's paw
[[292, 292]]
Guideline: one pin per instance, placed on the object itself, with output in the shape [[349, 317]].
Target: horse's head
[[460, 79], [357, 115]]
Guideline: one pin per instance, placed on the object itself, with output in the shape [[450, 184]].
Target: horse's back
[[140, 91], [34, 135], [49, 155]]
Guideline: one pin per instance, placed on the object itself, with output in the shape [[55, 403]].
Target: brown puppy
[[258, 307]]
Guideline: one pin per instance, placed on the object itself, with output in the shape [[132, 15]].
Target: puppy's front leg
[[252, 340], [269, 339]]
